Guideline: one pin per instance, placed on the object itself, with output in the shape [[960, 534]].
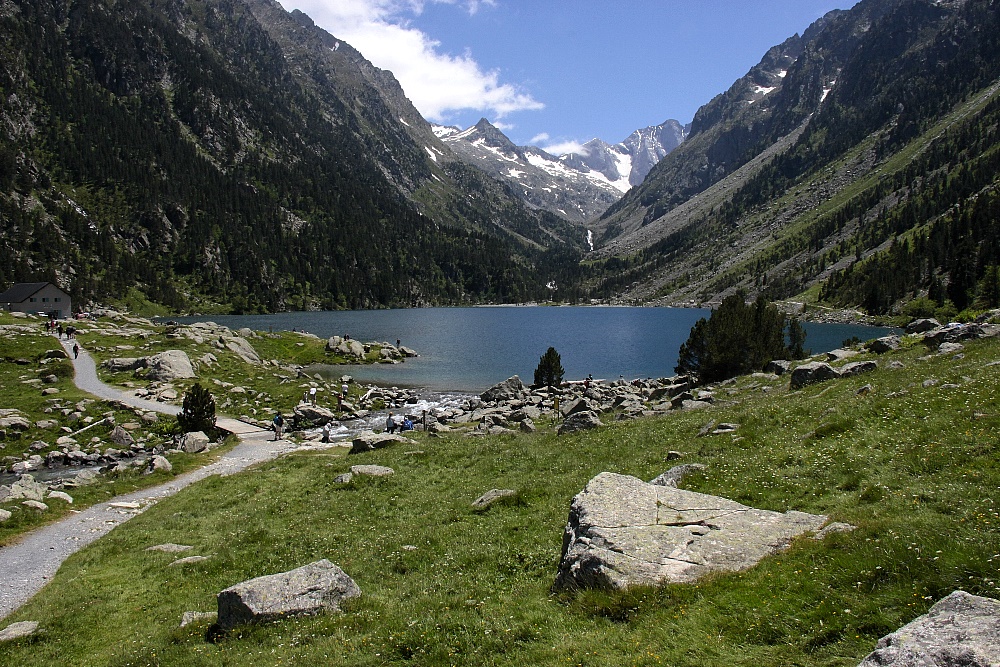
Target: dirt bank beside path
[[28, 565]]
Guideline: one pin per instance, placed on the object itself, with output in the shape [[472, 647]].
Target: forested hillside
[[868, 177], [223, 153]]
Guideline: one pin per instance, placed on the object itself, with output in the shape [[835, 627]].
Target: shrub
[[198, 411]]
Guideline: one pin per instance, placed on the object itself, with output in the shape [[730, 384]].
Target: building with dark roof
[[37, 298]]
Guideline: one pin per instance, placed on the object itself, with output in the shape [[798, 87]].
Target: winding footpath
[[31, 563]]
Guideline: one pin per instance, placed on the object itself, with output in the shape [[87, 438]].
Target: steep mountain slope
[[576, 186], [860, 157], [226, 151]]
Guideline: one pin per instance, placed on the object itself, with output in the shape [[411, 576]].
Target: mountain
[[856, 162], [576, 186], [226, 154]]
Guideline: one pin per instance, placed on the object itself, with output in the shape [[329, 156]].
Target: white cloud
[[437, 83], [539, 138], [564, 147]]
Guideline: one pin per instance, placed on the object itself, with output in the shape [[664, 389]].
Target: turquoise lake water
[[470, 349]]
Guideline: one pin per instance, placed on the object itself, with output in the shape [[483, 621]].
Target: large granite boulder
[[124, 364], [310, 589], [510, 389], [883, 345], [368, 441], [624, 532], [194, 442], [314, 414], [922, 325], [811, 373], [961, 630], [169, 365], [242, 348], [580, 421], [857, 368], [345, 347]]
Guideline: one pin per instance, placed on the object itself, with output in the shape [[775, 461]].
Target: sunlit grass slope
[[913, 464]]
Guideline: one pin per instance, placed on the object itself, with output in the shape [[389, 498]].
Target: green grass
[[914, 467]]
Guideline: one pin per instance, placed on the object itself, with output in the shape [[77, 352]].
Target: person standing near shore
[[279, 423]]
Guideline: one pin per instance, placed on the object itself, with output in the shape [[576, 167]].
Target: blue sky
[[557, 73]]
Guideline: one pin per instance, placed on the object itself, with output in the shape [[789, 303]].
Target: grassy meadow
[[912, 463]]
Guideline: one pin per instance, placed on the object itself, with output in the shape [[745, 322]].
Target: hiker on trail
[[327, 429], [390, 424], [60, 331], [343, 390], [76, 351], [279, 423], [312, 395]]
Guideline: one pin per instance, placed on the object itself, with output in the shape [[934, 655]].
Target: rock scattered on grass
[[961, 629]]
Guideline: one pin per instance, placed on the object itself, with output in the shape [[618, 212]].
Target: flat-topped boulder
[[310, 589], [624, 532], [368, 441], [961, 629]]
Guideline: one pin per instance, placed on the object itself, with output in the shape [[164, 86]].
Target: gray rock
[[343, 478], [883, 345], [368, 441], [15, 423], [28, 489], [492, 496], [314, 414], [527, 426], [579, 405], [194, 442], [834, 527], [857, 368], [159, 464], [188, 560], [5, 514], [674, 476], [319, 586], [372, 471], [623, 532], [243, 349], [510, 389], [961, 630], [811, 373], [840, 354], [922, 325], [124, 364], [950, 348], [18, 631], [580, 421], [778, 367], [169, 365], [170, 548], [190, 617], [35, 505], [120, 437], [60, 495]]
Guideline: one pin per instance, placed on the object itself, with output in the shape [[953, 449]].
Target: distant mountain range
[[227, 155], [577, 186]]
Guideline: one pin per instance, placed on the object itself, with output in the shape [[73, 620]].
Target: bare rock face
[[319, 586], [811, 373], [509, 390], [962, 630], [624, 532]]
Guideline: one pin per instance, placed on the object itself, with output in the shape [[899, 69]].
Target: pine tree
[[549, 372], [198, 411]]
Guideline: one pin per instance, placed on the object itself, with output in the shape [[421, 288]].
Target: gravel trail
[[31, 563]]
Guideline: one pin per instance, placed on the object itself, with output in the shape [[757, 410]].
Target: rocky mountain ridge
[[577, 186]]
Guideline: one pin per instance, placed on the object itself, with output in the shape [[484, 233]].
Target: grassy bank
[[913, 464]]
